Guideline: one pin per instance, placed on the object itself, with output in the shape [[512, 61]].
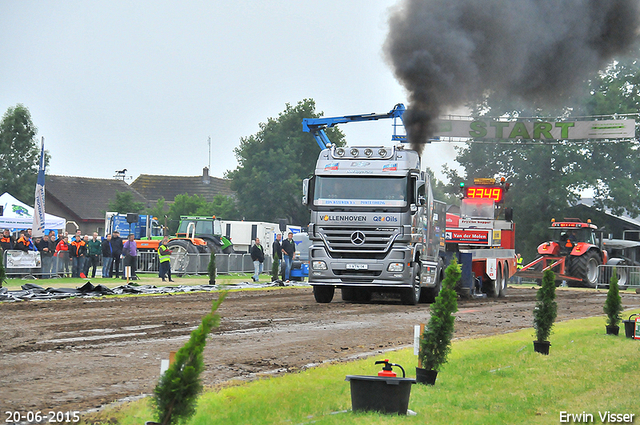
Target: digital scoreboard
[[484, 192]]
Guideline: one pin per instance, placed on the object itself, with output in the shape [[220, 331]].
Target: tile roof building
[[84, 200], [154, 187]]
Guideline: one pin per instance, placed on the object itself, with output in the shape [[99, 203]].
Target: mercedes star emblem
[[357, 238]]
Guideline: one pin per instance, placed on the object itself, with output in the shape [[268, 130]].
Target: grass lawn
[[494, 380]]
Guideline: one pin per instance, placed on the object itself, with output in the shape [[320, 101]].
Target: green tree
[[186, 205], [274, 161], [222, 206], [19, 154], [547, 178], [124, 203], [225, 207], [613, 171]]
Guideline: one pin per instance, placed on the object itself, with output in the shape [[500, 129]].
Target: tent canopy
[[17, 215]]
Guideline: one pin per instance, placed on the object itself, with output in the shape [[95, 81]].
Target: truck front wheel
[[323, 294], [411, 296]]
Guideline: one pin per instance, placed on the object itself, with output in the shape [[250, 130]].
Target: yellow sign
[[484, 181], [497, 237]]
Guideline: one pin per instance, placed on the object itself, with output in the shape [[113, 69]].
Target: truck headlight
[[319, 265], [395, 267]]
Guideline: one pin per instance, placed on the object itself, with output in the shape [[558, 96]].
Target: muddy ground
[[79, 354]]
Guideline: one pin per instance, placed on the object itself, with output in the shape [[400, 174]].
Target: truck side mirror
[[420, 198], [305, 191]]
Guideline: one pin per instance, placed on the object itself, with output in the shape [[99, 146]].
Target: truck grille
[[368, 243]]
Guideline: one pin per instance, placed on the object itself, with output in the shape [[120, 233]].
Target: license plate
[[357, 266]]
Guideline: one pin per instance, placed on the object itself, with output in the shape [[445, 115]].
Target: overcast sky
[[142, 85]]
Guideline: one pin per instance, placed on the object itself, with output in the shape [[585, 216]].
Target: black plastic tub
[[380, 394], [629, 326]]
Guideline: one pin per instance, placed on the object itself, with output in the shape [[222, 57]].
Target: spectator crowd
[[79, 256]]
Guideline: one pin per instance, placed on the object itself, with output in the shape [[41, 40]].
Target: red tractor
[[574, 252]]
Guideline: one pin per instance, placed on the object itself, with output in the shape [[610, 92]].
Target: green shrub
[[175, 396], [275, 268], [3, 274], [211, 268], [613, 303], [546, 309], [435, 344]]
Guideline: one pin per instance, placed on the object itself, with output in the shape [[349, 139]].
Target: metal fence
[[627, 275], [181, 264]]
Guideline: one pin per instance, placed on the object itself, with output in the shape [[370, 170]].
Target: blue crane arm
[[317, 126]]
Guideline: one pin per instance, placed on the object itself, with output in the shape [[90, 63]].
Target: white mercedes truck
[[374, 224]]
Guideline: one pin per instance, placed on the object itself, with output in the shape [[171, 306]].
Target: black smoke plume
[[450, 52]]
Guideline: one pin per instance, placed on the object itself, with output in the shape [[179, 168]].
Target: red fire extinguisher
[[387, 370]]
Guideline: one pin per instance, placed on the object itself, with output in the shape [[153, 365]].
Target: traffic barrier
[[181, 263], [628, 276]]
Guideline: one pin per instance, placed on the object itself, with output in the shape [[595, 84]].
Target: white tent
[[17, 215]]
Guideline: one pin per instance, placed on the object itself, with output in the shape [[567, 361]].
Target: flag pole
[[38, 207]]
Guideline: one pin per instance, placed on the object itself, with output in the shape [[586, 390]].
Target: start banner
[[536, 129]]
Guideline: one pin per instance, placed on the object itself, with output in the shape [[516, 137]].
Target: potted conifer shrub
[[613, 305], [175, 396], [435, 343], [211, 268], [545, 312]]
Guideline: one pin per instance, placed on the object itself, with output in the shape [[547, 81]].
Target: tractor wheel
[[323, 294], [184, 258], [411, 296], [586, 268], [213, 247]]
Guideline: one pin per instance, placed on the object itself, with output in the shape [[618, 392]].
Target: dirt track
[[79, 354]]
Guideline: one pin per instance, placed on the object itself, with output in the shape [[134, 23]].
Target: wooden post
[[172, 357], [421, 332]]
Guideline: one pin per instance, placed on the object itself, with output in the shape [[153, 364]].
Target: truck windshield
[[360, 191], [203, 227], [477, 208]]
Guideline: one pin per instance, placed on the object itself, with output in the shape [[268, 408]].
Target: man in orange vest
[[78, 253]]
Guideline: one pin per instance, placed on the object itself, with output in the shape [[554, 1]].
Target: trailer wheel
[[494, 286], [323, 294], [503, 283], [586, 268], [411, 296]]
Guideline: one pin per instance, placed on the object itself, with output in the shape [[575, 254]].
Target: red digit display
[[494, 193]]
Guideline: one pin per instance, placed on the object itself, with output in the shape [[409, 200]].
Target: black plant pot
[[380, 394], [541, 347], [426, 376], [613, 330]]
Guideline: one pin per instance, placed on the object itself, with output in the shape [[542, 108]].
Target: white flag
[[38, 215]]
